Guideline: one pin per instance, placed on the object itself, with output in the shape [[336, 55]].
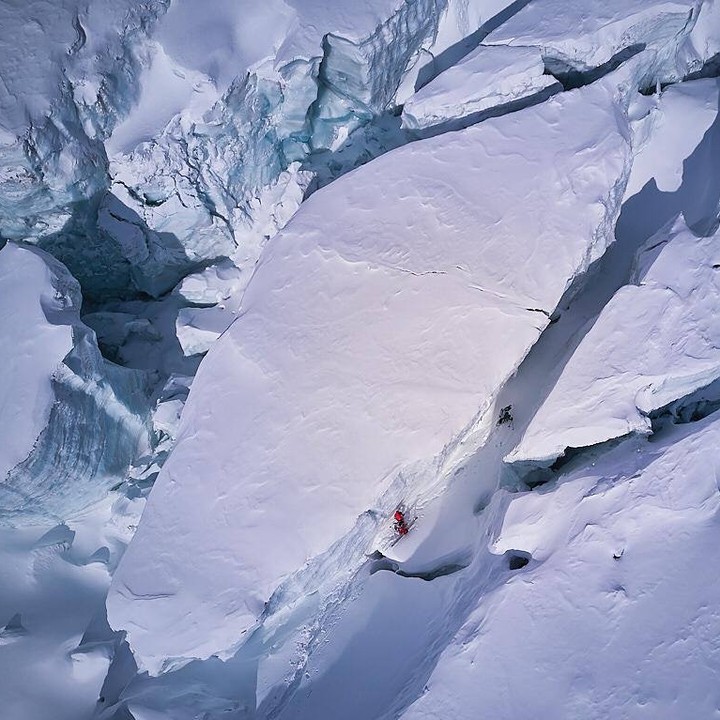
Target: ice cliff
[[73, 422]]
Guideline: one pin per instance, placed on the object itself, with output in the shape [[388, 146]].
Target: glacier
[[268, 271]]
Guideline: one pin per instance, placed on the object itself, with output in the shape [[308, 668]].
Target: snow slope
[[616, 614], [356, 354]]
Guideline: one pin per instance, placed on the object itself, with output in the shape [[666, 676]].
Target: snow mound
[[357, 351]]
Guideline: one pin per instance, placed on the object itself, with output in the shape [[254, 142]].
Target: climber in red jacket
[[400, 524]]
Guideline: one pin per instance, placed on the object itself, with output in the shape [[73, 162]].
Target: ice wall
[[72, 422], [608, 389]]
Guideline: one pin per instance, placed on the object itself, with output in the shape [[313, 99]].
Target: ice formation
[[57, 386], [207, 181], [588, 38], [615, 604], [68, 72], [607, 389]]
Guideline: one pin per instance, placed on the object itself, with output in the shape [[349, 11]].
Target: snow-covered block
[[376, 327], [616, 604], [210, 285], [487, 77], [668, 130], [32, 348], [197, 328], [654, 342], [71, 421], [582, 35]]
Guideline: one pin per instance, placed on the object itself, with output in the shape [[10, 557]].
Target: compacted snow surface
[[270, 270]]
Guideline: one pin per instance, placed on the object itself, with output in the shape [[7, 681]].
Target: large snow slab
[[487, 77], [376, 327], [653, 343], [616, 615], [583, 35]]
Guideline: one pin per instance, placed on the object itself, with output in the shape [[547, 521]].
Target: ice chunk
[[583, 36], [13, 630], [198, 328], [487, 77], [616, 608], [211, 285], [72, 421], [376, 327], [652, 343], [219, 286]]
